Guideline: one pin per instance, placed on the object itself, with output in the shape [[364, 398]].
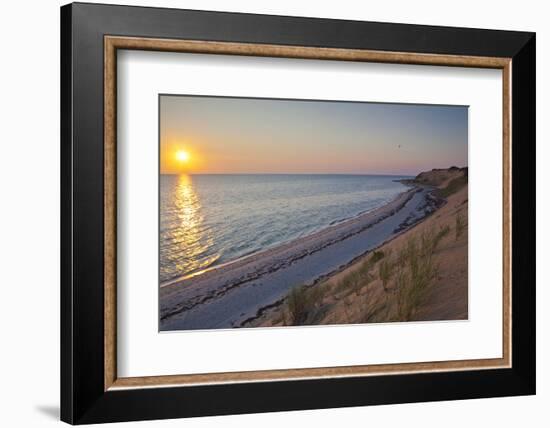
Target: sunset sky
[[219, 135]]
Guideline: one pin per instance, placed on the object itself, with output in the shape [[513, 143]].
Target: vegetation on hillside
[[453, 186]]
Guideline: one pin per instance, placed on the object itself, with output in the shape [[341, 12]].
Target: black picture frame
[[83, 397]]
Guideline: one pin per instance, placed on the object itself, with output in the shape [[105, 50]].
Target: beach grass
[[354, 281], [416, 272], [385, 272], [303, 303], [298, 305]]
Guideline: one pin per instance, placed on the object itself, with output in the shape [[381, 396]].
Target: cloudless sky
[[247, 135]]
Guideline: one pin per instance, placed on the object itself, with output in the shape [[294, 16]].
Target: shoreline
[[292, 242], [279, 247], [239, 290]]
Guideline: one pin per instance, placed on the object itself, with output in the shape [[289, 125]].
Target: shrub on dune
[[297, 304]]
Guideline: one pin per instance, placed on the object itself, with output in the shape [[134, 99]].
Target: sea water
[[207, 220]]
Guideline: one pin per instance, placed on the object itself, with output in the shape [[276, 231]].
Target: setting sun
[[182, 156]]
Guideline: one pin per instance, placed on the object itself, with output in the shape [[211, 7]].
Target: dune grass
[[385, 271], [298, 305], [415, 272], [303, 302]]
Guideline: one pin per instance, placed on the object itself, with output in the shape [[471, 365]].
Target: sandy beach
[[250, 291]]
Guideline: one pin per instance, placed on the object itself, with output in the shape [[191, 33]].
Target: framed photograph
[[265, 213]]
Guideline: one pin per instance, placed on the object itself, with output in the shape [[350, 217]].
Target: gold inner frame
[[113, 43]]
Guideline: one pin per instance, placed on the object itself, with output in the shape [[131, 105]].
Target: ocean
[[208, 220]]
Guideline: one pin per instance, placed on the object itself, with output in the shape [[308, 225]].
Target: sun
[[182, 156]]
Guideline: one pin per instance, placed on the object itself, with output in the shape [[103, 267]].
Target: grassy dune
[[420, 275]]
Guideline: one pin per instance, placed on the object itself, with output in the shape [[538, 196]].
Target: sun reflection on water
[[186, 230]]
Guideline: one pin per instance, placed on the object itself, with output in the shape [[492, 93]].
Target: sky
[[223, 135]]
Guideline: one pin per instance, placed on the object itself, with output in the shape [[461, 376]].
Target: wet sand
[[230, 295]]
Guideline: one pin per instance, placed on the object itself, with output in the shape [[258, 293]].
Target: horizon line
[[309, 173], [283, 173]]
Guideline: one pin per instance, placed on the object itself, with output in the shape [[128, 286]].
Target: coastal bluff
[[441, 177]]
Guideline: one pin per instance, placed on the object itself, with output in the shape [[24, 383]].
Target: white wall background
[[29, 213]]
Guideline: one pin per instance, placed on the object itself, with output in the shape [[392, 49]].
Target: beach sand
[[232, 294]]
